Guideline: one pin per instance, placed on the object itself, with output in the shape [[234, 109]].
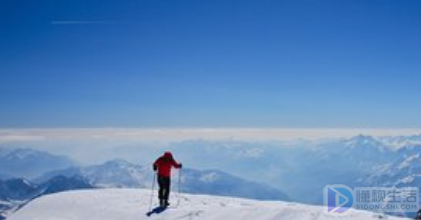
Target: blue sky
[[189, 63]]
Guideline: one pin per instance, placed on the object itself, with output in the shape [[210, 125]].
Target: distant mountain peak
[[120, 164], [19, 181], [30, 163], [364, 141], [117, 162], [22, 153], [209, 177]]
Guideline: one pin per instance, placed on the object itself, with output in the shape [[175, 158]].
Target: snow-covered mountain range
[[16, 192], [30, 163], [301, 169], [403, 170], [122, 174], [291, 166], [133, 204]]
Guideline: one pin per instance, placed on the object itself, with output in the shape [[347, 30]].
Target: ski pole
[[179, 181], [153, 188], [179, 187]]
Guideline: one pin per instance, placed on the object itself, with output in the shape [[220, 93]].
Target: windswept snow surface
[[133, 204]]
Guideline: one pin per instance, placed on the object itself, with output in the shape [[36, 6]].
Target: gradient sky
[[202, 63]]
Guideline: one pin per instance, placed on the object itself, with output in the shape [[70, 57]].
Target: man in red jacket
[[163, 165]]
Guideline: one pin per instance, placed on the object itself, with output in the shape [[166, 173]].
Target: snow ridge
[[133, 204]]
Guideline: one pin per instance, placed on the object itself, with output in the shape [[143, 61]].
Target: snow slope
[[133, 204]]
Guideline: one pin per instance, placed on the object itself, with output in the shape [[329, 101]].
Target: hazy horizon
[[170, 134], [92, 146]]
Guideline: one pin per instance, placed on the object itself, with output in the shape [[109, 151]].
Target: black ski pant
[[164, 187]]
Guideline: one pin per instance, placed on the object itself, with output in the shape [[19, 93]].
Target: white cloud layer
[[24, 135]]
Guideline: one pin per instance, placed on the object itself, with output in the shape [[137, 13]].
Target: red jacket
[[164, 164]]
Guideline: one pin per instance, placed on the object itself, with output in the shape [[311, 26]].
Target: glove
[[181, 165], [154, 167]]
